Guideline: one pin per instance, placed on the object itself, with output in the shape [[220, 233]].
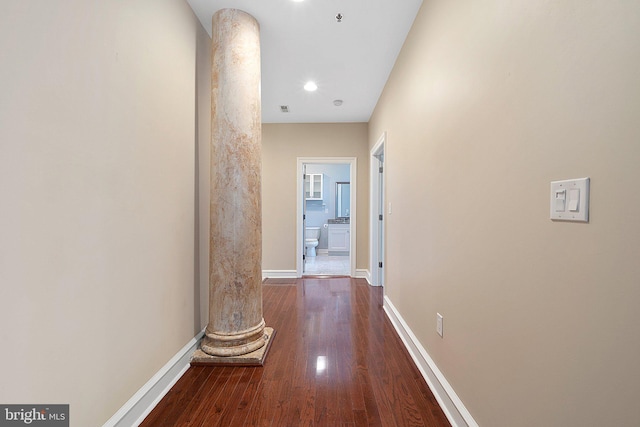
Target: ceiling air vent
[[284, 108]]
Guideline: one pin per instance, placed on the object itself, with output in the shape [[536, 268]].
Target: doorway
[[326, 202], [377, 211]]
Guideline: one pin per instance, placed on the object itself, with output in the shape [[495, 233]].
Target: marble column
[[236, 326]]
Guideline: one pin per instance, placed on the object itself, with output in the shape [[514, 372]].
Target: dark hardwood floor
[[335, 361]]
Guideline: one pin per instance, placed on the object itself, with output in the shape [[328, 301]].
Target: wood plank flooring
[[335, 361]]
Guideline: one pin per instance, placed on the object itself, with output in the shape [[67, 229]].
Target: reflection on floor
[[327, 265]]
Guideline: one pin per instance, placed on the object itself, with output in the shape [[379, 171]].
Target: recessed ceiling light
[[337, 102], [310, 86]]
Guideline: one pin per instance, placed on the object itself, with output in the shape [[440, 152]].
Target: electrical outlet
[[439, 320]]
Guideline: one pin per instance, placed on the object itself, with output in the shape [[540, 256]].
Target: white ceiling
[[302, 41]]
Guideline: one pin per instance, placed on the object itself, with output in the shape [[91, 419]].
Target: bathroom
[[327, 210]]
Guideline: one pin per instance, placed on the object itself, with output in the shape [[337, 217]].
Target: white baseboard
[[322, 251], [449, 401], [279, 274], [142, 403], [363, 273]]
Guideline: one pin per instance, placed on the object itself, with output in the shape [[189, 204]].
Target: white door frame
[[376, 239], [353, 173]]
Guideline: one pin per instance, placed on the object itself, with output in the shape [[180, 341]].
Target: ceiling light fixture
[[337, 102], [339, 17], [310, 86]]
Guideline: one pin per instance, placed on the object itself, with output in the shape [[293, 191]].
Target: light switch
[[574, 199], [560, 199], [570, 200]]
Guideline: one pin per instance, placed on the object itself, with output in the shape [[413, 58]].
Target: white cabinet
[[313, 186], [339, 239]]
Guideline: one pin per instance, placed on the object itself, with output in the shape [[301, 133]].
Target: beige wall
[[282, 144], [203, 162], [97, 113], [489, 102]]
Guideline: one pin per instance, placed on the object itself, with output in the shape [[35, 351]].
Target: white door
[[304, 217], [380, 220], [378, 216]]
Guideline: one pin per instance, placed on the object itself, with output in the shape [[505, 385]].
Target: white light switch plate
[[439, 321], [575, 206]]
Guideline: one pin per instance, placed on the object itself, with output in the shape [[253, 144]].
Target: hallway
[[335, 360]]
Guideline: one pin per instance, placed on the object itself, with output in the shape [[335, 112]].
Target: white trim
[[279, 274], [132, 413], [374, 191], [453, 408], [353, 163], [363, 273], [322, 251]]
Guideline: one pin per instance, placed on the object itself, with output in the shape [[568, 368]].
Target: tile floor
[[327, 265]]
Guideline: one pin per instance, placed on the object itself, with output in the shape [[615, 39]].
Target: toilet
[[312, 236]]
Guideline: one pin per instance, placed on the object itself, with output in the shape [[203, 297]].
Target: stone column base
[[236, 344], [254, 358]]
